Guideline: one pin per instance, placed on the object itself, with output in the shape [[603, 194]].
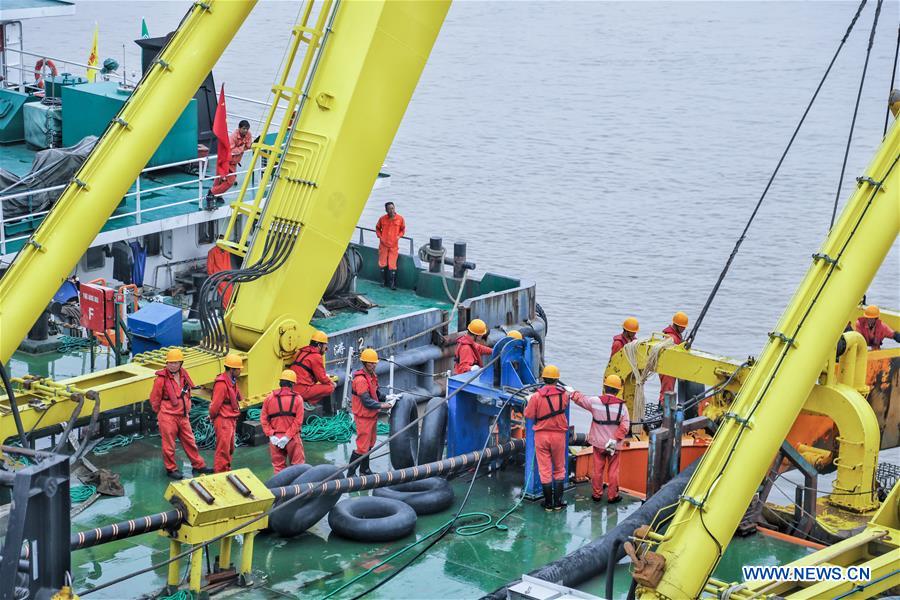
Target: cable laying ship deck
[[289, 227]]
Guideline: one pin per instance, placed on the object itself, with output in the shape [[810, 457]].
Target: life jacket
[[619, 342], [357, 406], [291, 411], [175, 401], [230, 407], [466, 350], [301, 362], [559, 409], [673, 333], [609, 420]]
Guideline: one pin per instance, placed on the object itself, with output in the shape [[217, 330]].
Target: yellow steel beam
[[111, 168], [779, 384]]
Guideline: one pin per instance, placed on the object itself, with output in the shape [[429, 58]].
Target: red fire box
[[98, 310]]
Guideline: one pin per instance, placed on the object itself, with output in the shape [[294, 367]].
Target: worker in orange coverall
[[874, 329], [224, 410], [547, 408], [367, 401], [218, 260], [313, 382], [389, 229], [282, 421], [674, 331], [170, 399], [629, 331], [468, 350]]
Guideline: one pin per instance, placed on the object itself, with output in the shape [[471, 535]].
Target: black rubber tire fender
[[405, 446], [425, 496], [302, 514], [434, 431], [372, 519]]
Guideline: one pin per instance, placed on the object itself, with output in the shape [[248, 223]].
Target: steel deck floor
[[317, 562]]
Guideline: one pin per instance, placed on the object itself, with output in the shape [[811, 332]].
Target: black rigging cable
[[862, 81], [887, 114], [690, 338]]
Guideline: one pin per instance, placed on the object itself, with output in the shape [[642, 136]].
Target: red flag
[[220, 128]]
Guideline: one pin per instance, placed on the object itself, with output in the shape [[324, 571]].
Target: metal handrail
[[362, 238]]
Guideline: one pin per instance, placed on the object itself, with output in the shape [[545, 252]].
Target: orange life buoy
[[39, 71]]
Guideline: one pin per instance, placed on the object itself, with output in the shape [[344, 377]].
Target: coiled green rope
[[81, 493], [339, 428], [68, 343], [117, 441]]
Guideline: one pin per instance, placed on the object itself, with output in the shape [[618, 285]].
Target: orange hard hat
[[613, 381], [872, 312], [550, 372], [368, 356], [175, 355], [477, 327], [680, 319], [319, 336], [631, 324], [234, 361], [288, 375], [514, 334]]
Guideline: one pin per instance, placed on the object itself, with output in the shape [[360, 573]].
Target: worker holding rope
[[547, 408], [282, 420], [313, 382], [468, 350], [170, 399], [224, 410], [609, 426], [630, 327], [675, 331], [367, 401]]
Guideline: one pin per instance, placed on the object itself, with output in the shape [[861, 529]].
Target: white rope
[[641, 376]]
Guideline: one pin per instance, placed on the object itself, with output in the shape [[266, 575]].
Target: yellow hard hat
[[477, 327], [613, 381], [319, 336], [514, 334], [680, 319], [368, 356], [631, 324], [175, 355], [872, 312], [234, 361], [288, 375], [550, 372]]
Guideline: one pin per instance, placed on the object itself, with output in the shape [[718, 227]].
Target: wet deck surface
[[316, 563]]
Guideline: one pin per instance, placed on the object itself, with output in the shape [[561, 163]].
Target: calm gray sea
[[609, 151]]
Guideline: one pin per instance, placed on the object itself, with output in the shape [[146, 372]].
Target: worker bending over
[[282, 420], [630, 328], [170, 399], [674, 331], [547, 408], [468, 350], [367, 401], [609, 427], [218, 260], [389, 229], [874, 329], [224, 411], [309, 366]]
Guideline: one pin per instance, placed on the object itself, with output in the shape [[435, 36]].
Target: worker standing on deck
[[630, 328], [468, 350], [609, 427], [389, 229], [367, 401], [874, 329], [240, 141], [547, 408], [224, 410], [282, 420], [674, 331], [218, 260], [170, 399], [309, 366]]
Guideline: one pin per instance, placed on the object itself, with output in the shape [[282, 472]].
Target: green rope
[[117, 441], [179, 595], [69, 344], [81, 493], [339, 428], [204, 432], [19, 458]]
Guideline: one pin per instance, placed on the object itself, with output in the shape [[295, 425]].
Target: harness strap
[[553, 411], [299, 362], [285, 413], [609, 420]]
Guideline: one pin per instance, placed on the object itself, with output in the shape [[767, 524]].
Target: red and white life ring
[[39, 71]]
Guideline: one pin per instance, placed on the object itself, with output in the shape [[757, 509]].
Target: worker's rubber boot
[[201, 471], [385, 273], [394, 279], [176, 474], [559, 503], [351, 470], [548, 496], [364, 466]]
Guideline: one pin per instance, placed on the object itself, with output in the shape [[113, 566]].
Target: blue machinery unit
[[473, 409]]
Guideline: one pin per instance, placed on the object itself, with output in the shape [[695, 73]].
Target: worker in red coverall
[[313, 382], [282, 420], [389, 229], [874, 329], [609, 427], [629, 331], [548, 409], [468, 350], [170, 399], [367, 401], [224, 411], [218, 260], [240, 141], [674, 331]]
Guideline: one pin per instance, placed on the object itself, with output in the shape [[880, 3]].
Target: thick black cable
[[887, 114], [690, 338], [862, 82], [11, 398], [289, 501]]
